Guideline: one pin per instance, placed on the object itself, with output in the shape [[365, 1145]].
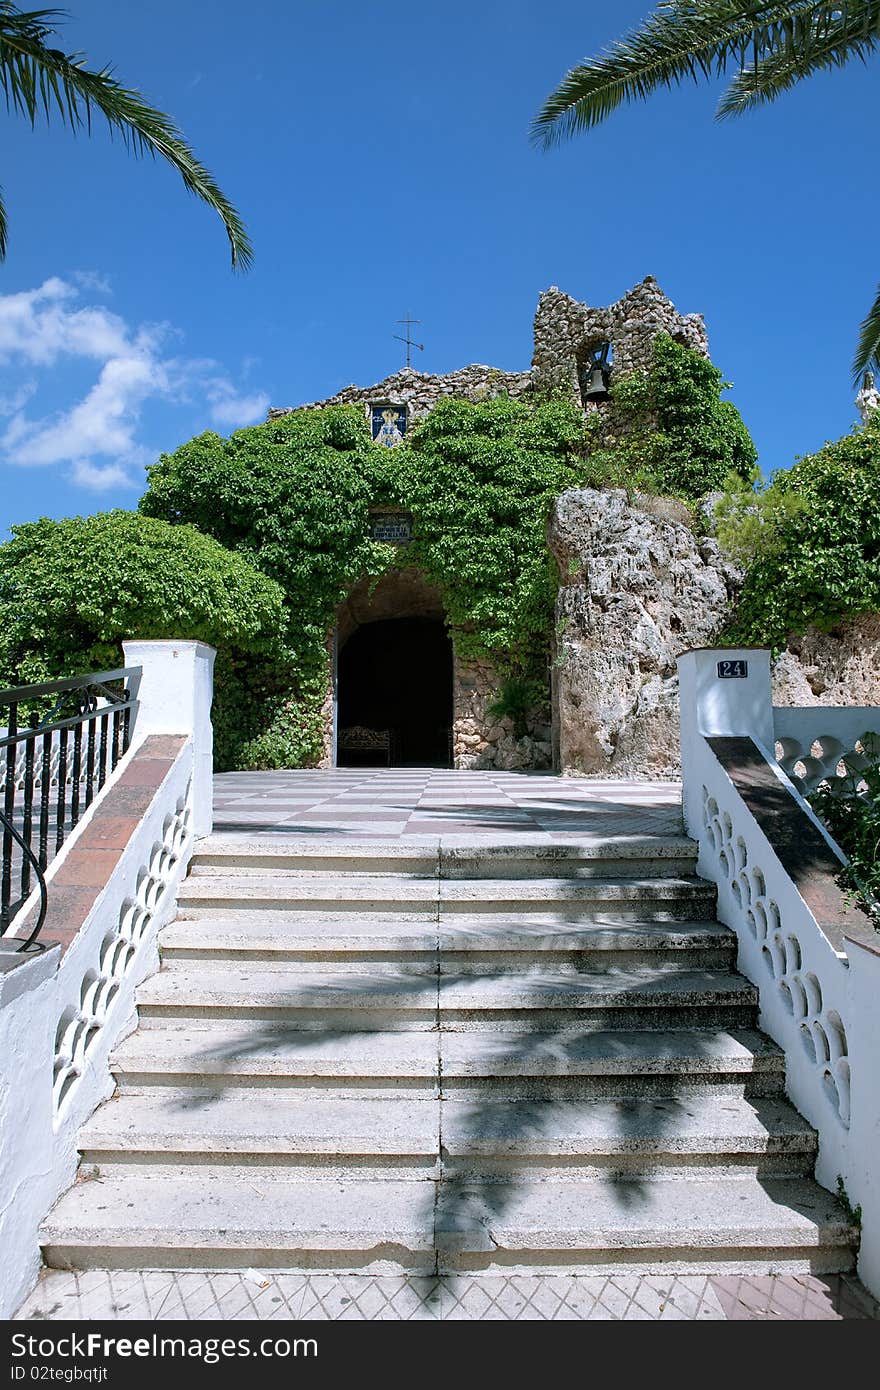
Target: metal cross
[[410, 343]]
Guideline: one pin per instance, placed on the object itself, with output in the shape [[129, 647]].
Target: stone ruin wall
[[421, 391], [637, 587], [481, 741], [566, 331]]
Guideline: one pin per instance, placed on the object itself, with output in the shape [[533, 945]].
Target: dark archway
[[395, 679]]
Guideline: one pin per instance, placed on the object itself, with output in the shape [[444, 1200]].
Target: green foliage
[[294, 497], [480, 480], [812, 541], [71, 591], [516, 698], [252, 542], [853, 1213], [677, 436], [850, 807]]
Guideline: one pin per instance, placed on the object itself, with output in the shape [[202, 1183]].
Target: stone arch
[[403, 595], [393, 674]]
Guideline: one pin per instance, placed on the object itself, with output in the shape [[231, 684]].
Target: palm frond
[[834, 36], [867, 358], [37, 79], [4, 228], [693, 40]]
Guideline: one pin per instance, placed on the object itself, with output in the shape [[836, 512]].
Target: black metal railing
[[52, 762]]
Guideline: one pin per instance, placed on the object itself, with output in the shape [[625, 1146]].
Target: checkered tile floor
[[100, 1295], [413, 802]]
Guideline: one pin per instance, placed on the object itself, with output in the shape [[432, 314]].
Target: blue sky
[[379, 154]]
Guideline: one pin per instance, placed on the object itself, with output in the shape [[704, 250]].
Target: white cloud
[[233, 410], [99, 477], [92, 280], [14, 400], [44, 326]]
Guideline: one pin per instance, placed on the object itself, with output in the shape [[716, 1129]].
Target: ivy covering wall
[[286, 505]]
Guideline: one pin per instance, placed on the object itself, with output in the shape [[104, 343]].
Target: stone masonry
[[638, 587], [421, 391], [567, 331]]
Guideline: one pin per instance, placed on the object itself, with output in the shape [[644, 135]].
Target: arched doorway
[[394, 692]]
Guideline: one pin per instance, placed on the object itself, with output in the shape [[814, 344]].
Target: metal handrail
[[78, 748], [41, 883], [20, 693]]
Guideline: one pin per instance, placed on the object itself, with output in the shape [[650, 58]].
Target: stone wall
[[566, 330], [637, 588], [421, 391], [481, 741]]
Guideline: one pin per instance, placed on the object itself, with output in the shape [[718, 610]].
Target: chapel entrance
[[394, 692]]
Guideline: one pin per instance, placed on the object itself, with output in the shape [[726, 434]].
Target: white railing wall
[[60, 1016], [819, 985]]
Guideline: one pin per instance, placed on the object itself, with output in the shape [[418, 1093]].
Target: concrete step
[[638, 1063], [182, 1125], [453, 857], [705, 1225], [395, 997], [483, 1136], [251, 1054], [219, 1220], [225, 1222], [362, 893], [515, 940], [691, 898]]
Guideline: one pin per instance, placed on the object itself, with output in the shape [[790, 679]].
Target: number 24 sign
[[733, 670]]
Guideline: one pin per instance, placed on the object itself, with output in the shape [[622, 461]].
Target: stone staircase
[[385, 1057]]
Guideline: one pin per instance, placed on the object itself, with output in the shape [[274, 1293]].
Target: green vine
[[272, 528]]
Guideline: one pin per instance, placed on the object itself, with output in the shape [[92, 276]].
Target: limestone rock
[[637, 589], [840, 667]]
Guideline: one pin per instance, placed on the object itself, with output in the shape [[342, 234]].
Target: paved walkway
[[389, 803], [123, 1294], [417, 802]]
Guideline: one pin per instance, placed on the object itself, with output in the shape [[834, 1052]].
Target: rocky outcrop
[[637, 589], [839, 667]]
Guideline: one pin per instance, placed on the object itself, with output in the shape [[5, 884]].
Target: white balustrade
[[813, 980]]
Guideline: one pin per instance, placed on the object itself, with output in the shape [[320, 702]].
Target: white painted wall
[[27, 1178], [176, 689], [66, 1016], [818, 1000]]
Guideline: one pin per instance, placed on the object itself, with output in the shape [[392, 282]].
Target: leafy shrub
[[676, 436], [72, 590], [810, 540], [851, 810]]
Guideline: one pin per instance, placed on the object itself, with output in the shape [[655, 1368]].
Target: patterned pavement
[[414, 802], [120, 1295]]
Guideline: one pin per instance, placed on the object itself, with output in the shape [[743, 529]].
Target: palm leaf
[[834, 39], [37, 79], [867, 358], [4, 228], [692, 40]]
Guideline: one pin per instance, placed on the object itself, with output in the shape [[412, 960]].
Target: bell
[[598, 387]]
